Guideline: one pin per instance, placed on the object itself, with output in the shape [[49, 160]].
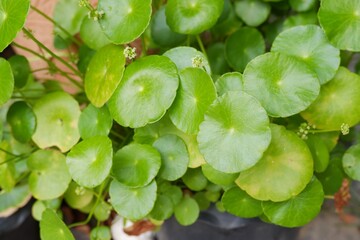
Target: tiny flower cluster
[[197, 61], [345, 128], [304, 130], [130, 53], [95, 14]]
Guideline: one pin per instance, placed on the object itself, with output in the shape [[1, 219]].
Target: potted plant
[[177, 106]]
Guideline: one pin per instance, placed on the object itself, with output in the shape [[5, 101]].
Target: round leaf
[[242, 46], [338, 102], [183, 56], [232, 81], [21, 70], [90, 28], [299, 210], [12, 15], [300, 19], [104, 74], [136, 165], [10, 201], [22, 120], [124, 20], [148, 87], [303, 5], [95, 122], [6, 79], [192, 16], [235, 132], [319, 152], [252, 12], [174, 157], [240, 204], [217, 177], [284, 170], [57, 116], [194, 179], [102, 211], [77, 196], [195, 94], [163, 208], [132, 203], [283, 85], [351, 162], [310, 45], [51, 227], [161, 32], [216, 55], [100, 233], [49, 176], [187, 211], [341, 22], [90, 161]]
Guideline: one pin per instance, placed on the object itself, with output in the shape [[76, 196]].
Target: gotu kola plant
[[239, 103]]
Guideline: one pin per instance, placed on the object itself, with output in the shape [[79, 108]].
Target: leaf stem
[[117, 135], [8, 153], [328, 197], [77, 42], [87, 220], [32, 37], [201, 45]]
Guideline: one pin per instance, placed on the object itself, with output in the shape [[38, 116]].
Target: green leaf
[[187, 211], [7, 78], [124, 20], [216, 55], [310, 45], [77, 196], [192, 16], [136, 165], [22, 120], [300, 20], [174, 193], [194, 179], [195, 94], [12, 15], [90, 161], [182, 57], [202, 201], [20, 67], [218, 177], [57, 116], [303, 5], [39, 207], [283, 85], [242, 46], [351, 162], [340, 21], [104, 74], [148, 87], [338, 102], [51, 227], [69, 15], [10, 201], [231, 81], [100, 233], [161, 33], [174, 157], [102, 211], [252, 12], [49, 176], [90, 28], [85, 56], [7, 168], [236, 128], [283, 171], [299, 210], [95, 122], [319, 152], [239, 203], [132, 203], [151, 132], [333, 176], [163, 208]]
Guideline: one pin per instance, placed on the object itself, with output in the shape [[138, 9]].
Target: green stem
[[188, 40], [32, 37], [51, 64], [323, 131], [117, 135], [201, 45], [87, 220], [8, 153], [77, 42], [328, 197]]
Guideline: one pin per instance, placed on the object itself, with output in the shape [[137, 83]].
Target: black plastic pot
[[214, 225]]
